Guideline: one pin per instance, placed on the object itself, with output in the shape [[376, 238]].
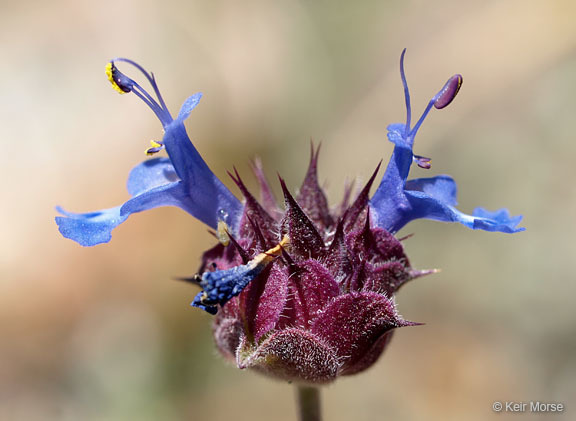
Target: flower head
[[303, 292]]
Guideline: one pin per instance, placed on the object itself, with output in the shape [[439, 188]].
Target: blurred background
[[104, 333]]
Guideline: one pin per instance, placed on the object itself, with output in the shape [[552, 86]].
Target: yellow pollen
[[154, 145], [110, 75], [222, 233], [459, 85]]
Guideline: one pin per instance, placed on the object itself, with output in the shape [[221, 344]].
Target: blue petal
[[389, 201], [184, 180], [199, 201], [431, 198], [499, 220], [188, 106], [211, 198], [89, 229], [396, 134], [441, 187], [399, 166], [155, 183], [171, 194], [150, 174], [144, 182], [427, 206], [435, 198]]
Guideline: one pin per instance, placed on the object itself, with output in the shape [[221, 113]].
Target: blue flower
[[183, 179], [398, 201]]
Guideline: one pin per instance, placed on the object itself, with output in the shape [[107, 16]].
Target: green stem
[[309, 403]]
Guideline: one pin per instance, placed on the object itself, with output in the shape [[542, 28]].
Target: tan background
[[104, 334]]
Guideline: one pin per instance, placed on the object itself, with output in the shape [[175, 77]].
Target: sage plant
[[302, 292]]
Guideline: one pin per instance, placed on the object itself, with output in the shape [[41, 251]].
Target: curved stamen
[[421, 119], [441, 100], [149, 76], [124, 84], [157, 91], [151, 103]]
